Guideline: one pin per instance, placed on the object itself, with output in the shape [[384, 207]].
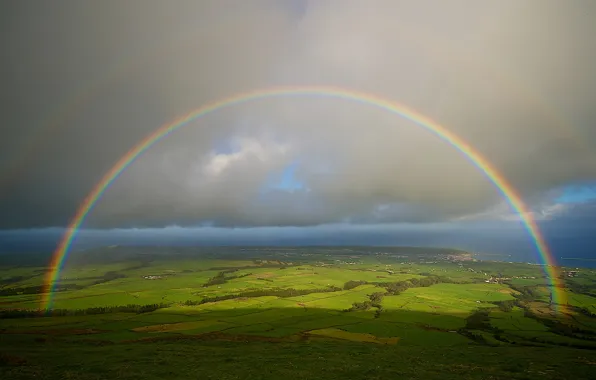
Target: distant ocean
[[566, 262], [578, 262], [576, 252]]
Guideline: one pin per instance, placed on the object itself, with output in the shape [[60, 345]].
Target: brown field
[[354, 337], [168, 327]]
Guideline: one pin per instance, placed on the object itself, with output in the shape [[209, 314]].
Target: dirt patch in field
[[431, 328], [212, 336], [11, 360], [96, 342], [265, 275], [354, 337], [315, 335], [544, 310], [169, 327], [56, 332]]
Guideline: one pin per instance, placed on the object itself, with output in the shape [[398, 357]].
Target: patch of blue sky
[[578, 193], [288, 180], [285, 180]]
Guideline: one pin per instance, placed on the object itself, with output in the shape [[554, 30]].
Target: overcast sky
[[83, 81]]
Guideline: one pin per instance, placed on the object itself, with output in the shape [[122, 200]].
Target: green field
[[356, 309]]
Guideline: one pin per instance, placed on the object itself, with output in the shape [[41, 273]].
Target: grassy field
[[308, 312]]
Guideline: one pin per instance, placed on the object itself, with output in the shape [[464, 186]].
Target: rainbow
[[502, 185]]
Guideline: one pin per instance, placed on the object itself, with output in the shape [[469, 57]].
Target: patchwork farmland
[[386, 298]]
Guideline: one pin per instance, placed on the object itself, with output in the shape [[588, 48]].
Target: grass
[[580, 300], [423, 332], [337, 359]]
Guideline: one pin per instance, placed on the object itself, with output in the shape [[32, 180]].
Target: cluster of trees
[[26, 290], [138, 309], [353, 284], [191, 303], [558, 327], [108, 276], [392, 288], [356, 306], [229, 269], [573, 344], [526, 293], [277, 292], [576, 287], [398, 287], [12, 280], [506, 306], [585, 311], [260, 263], [221, 278], [479, 320], [473, 336], [38, 289], [374, 300]]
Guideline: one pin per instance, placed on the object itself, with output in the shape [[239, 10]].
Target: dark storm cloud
[[577, 216], [84, 81]]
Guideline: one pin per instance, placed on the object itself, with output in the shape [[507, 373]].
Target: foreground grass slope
[[194, 359]]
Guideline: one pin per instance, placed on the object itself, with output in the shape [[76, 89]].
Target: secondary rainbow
[[500, 182]]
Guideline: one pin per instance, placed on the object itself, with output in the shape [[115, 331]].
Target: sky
[[83, 82]]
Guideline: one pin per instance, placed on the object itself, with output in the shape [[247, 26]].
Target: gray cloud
[[86, 81]]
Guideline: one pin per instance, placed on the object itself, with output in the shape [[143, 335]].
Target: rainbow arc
[[499, 181]]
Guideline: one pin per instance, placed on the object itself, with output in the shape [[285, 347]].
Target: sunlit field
[[381, 301]]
